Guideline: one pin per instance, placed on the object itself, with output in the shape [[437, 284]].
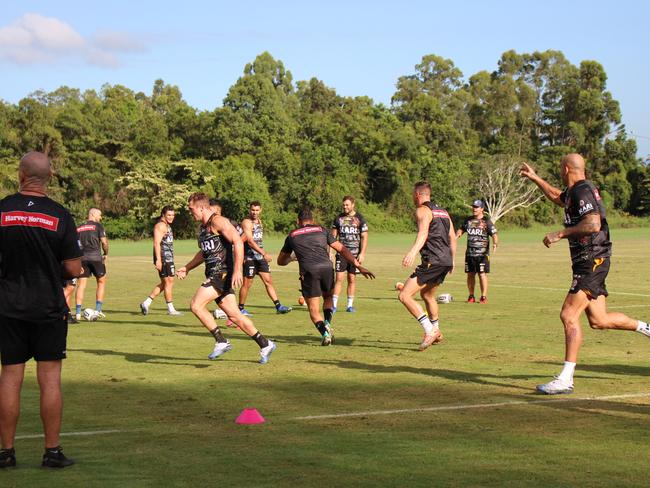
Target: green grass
[[148, 378]]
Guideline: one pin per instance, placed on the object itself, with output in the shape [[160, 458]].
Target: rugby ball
[[301, 300], [399, 285], [444, 298], [90, 315], [220, 314]]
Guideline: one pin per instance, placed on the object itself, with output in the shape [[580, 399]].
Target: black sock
[[218, 336], [277, 303], [261, 340], [321, 327], [329, 313], [241, 306]]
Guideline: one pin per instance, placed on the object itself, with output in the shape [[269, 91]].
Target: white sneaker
[[144, 308], [220, 348], [78, 317], [265, 352], [219, 314], [174, 312], [555, 387]]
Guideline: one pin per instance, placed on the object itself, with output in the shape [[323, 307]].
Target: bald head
[[573, 168], [35, 170], [94, 214]]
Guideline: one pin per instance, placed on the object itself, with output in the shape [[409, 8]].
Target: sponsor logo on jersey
[[29, 219], [86, 228], [306, 230], [475, 231], [585, 208]]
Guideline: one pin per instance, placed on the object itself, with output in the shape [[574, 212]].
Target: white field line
[[472, 406], [497, 285], [71, 434]]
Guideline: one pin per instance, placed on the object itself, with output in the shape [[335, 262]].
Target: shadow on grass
[[622, 369], [145, 358]]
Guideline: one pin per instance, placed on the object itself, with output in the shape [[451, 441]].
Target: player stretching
[[311, 243], [218, 242], [163, 260], [436, 243], [585, 226], [256, 259], [351, 230]]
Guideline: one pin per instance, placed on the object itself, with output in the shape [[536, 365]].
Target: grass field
[[463, 413]]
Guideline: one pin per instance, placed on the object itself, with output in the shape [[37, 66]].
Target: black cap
[[478, 204]]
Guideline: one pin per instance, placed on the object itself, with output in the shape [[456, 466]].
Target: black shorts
[[222, 282], [20, 341], [168, 270], [342, 265], [477, 264], [591, 278], [96, 268], [317, 282], [431, 274], [255, 266]]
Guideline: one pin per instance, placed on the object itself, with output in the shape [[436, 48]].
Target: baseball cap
[[478, 203]]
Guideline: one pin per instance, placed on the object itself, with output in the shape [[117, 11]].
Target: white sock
[[147, 301], [335, 300], [567, 372], [426, 324], [644, 328], [170, 307], [350, 301]]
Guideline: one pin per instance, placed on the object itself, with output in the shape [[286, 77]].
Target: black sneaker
[[54, 458], [72, 319], [7, 458]]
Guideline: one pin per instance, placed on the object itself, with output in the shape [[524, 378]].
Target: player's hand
[[158, 265], [408, 259], [361, 258], [267, 257], [453, 267], [181, 273], [527, 171], [494, 248], [551, 238], [237, 278], [366, 273]]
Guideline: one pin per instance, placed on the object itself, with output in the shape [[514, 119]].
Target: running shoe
[[54, 458], [283, 309], [144, 309], [7, 458], [220, 348], [483, 301], [427, 340], [265, 352], [246, 312], [174, 312], [555, 387], [471, 299], [351, 309]]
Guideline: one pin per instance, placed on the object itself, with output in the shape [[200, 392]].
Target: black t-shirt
[[311, 245], [36, 235], [582, 199], [216, 249], [350, 228], [436, 249], [478, 232], [90, 236]]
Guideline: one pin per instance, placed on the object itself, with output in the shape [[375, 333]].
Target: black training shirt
[[90, 236], [36, 235], [436, 249], [478, 232], [311, 245], [350, 228]]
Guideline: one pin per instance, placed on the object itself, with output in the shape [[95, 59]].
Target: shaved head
[[35, 169], [574, 162], [94, 214]]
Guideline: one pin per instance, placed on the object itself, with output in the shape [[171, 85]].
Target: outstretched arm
[[552, 193], [589, 224], [341, 249]]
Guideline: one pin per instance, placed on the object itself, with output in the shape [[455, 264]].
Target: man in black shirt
[[585, 227], [436, 243], [479, 229], [310, 243], [95, 245], [38, 249]]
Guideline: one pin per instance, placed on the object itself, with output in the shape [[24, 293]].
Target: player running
[[479, 229], [163, 260], [218, 242], [351, 230], [436, 243], [310, 243], [586, 228], [256, 259], [95, 245]]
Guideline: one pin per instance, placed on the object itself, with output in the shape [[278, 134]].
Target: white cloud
[[36, 39]]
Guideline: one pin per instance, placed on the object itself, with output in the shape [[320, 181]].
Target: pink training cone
[[250, 416]]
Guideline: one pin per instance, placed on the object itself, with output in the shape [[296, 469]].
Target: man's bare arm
[[552, 193], [588, 225]]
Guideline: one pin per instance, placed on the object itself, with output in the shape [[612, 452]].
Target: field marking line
[[71, 434], [497, 285], [471, 406]]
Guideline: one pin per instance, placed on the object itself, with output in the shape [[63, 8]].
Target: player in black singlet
[[95, 246], [163, 261], [586, 229], [436, 243], [222, 251]]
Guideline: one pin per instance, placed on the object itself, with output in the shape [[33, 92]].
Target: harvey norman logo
[[29, 219]]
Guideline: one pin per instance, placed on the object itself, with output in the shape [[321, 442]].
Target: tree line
[[290, 144]]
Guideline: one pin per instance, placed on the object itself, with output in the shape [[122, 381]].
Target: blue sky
[[358, 48]]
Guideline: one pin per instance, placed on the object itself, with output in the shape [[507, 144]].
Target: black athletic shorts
[[222, 282], [342, 265], [255, 266], [316, 282], [431, 274], [168, 270], [96, 268], [477, 264], [20, 341], [591, 278]]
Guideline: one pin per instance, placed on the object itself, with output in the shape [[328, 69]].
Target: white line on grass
[[471, 406], [70, 434], [497, 285]]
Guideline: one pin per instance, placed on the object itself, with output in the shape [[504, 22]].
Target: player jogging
[[351, 230], [95, 246], [218, 242], [310, 243], [585, 227], [256, 259], [163, 260], [436, 243]]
